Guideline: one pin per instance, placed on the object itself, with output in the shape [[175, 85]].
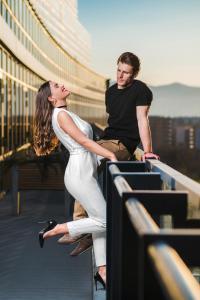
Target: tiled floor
[[99, 294], [28, 272]]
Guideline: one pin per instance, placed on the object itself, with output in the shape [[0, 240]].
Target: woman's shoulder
[[57, 110], [63, 111]]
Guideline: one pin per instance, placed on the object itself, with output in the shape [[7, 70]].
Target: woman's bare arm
[[68, 125]]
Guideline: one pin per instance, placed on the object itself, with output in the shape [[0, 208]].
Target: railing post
[[112, 262], [122, 245], [16, 209]]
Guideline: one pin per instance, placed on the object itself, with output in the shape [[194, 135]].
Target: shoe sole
[[72, 243], [81, 252]]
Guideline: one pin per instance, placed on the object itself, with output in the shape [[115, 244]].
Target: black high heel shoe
[[51, 225], [98, 278]]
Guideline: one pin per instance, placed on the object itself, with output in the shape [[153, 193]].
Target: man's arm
[[145, 131]]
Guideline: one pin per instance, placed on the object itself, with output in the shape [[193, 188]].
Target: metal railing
[[172, 273], [174, 180], [22, 170], [145, 261]]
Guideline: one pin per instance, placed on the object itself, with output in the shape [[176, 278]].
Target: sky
[[164, 34]]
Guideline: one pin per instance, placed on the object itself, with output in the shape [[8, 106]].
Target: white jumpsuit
[[81, 182]]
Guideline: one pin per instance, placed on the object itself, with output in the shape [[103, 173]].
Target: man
[[127, 104]]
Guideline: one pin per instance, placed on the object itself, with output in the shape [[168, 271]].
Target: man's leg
[[117, 148], [79, 211]]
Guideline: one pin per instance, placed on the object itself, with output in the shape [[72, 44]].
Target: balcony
[[153, 219]]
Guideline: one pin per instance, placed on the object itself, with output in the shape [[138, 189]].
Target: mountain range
[[175, 100]]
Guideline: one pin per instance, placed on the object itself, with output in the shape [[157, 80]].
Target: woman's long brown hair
[[44, 138]]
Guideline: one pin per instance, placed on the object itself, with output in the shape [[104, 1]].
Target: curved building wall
[[62, 22], [29, 55]]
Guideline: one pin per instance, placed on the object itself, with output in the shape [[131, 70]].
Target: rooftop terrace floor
[[29, 272]]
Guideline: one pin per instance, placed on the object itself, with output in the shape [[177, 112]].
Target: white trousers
[[81, 182]]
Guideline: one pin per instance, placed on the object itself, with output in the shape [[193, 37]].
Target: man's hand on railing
[[113, 158], [149, 155]]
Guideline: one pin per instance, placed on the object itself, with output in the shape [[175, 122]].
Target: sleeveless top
[[70, 144]]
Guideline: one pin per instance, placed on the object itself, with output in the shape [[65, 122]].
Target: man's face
[[124, 75]]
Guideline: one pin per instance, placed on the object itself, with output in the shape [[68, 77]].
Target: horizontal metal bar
[[172, 179], [113, 169], [122, 185], [10, 153], [175, 278], [140, 218]]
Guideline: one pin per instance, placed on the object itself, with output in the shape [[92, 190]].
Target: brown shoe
[[84, 245], [67, 239]]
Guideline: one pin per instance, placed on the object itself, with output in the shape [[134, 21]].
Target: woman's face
[[58, 91]]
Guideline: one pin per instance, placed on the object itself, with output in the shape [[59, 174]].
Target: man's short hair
[[130, 59]]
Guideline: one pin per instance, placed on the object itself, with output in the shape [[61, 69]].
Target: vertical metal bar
[[113, 234], [109, 233], [14, 189], [18, 204]]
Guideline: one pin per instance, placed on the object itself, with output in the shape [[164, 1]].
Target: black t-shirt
[[121, 107]]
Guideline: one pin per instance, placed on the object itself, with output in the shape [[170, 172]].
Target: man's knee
[[111, 145], [116, 147]]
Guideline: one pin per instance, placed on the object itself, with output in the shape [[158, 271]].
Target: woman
[[52, 119]]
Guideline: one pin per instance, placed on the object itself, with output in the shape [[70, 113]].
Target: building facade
[[61, 20], [162, 132], [180, 133], [31, 53], [197, 138]]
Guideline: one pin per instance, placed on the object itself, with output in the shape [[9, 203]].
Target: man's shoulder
[[139, 84], [144, 94]]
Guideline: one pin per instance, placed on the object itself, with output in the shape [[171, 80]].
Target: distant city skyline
[[164, 34]]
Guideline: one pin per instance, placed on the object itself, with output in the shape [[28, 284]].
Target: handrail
[[10, 153], [140, 218], [173, 275], [174, 180], [114, 169], [122, 185]]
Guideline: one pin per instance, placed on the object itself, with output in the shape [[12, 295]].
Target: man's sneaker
[[84, 245]]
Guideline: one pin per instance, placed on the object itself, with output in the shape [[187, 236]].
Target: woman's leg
[[99, 243], [83, 185], [121, 153]]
